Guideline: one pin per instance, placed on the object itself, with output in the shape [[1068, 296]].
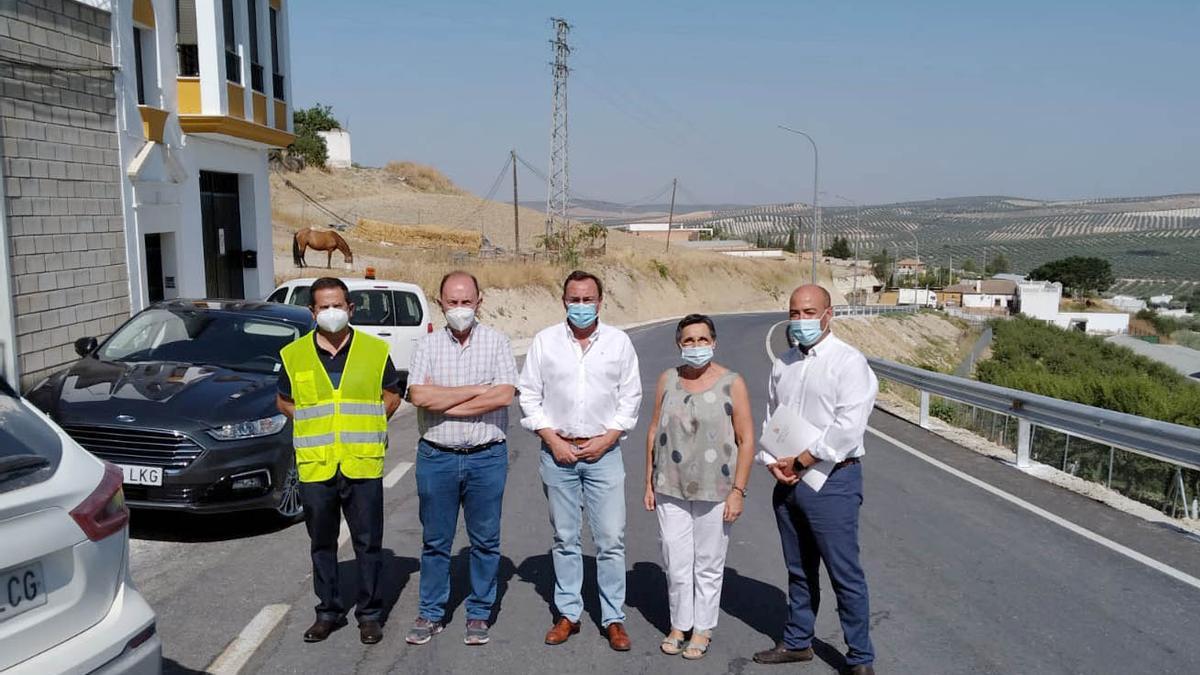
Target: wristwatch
[[798, 465], [741, 490]]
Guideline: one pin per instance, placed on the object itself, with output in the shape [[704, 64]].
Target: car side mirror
[[84, 346]]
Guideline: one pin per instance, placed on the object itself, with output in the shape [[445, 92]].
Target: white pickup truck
[[392, 310]]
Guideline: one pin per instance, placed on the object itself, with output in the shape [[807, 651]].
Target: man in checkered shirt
[[461, 379]]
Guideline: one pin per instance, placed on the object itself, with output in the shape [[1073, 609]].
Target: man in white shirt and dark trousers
[[580, 392], [832, 386], [462, 380]]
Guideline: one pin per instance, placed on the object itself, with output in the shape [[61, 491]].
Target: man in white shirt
[[580, 392], [832, 386]]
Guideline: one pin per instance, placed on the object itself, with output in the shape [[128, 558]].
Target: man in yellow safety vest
[[340, 387]]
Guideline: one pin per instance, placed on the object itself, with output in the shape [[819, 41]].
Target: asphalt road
[[962, 580]]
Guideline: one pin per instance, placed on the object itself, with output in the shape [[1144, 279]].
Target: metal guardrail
[[1173, 443], [872, 310]]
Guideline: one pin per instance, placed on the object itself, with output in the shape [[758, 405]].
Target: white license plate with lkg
[[21, 589], [141, 475]]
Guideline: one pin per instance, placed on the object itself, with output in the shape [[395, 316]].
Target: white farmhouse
[[1127, 303], [1040, 300], [990, 294], [337, 145], [1161, 300]]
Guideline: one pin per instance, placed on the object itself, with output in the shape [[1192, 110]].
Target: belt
[[845, 463], [577, 442], [470, 450]]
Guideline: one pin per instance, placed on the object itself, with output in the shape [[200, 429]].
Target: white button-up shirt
[[580, 393], [833, 388]]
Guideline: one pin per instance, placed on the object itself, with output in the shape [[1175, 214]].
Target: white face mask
[[332, 319], [460, 318]]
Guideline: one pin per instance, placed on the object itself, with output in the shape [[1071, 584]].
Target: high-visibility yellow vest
[[345, 427]]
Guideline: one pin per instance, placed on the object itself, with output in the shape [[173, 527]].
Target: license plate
[[21, 589], [141, 475]]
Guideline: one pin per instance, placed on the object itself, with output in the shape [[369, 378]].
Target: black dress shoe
[[370, 632], [781, 654], [862, 669], [322, 628]]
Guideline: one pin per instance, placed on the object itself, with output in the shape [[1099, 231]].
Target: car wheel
[[290, 506]]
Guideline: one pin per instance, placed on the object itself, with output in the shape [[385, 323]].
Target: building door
[[154, 268], [221, 220]]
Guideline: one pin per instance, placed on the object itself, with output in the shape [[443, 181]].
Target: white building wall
[[337, 142], [1104, 323], [984, 300], [1039, 300]]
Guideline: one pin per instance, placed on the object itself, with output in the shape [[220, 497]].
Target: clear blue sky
[[907, 100]]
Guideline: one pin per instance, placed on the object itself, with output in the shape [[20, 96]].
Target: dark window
[[300, 296], [372, 308], [185, 38], [29, 449], [408, 309], [256, 69], [139, 66], [276, 65], [279, 295], [233, 63]]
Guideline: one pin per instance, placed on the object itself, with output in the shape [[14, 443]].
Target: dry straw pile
[[418, 236]]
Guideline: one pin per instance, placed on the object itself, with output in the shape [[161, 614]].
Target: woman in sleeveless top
[[698, 454]]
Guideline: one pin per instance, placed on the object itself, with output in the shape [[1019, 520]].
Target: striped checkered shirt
[[440, 360]]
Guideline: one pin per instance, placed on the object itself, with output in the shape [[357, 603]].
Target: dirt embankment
[[925, 339], [643, 281]]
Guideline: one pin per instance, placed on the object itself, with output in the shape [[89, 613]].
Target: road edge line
[[1142, 558], [239, 651]]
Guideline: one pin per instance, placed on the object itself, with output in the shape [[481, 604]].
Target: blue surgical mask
[[581, 315], [805, 332], [696, 357]]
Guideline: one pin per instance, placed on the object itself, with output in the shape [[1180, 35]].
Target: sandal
[[694, 650], [671, 646]]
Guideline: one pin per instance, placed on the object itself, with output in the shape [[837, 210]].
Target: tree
[[840, 249], [969, 266], [308, 144], [790, 246], [879, 264], [1077, 274], [999, 264]]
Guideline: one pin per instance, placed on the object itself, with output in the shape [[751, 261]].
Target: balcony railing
[[277, 86], [256, 77], [233, 67], [189, 60]]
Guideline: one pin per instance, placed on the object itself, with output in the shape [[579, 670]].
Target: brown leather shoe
[[861, 670], [562, 630], [618, 639], [322, 628], [781, 654]]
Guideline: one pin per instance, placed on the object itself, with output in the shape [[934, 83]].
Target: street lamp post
[[816, 206]]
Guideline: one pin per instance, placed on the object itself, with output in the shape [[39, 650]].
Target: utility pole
[[671, 214], [516, 212], [558, 183]]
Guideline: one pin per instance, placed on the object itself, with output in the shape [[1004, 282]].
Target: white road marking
[[389, 481], [394, 476], [1032, 508], [1039, 511], [238, 652]]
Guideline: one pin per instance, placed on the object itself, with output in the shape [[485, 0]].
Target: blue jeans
[[816, 526], [600, 488], [446, 481]]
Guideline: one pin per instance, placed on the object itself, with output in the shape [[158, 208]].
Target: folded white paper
[[786, 434]]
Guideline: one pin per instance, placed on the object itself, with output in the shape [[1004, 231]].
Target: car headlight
[[252, 429]]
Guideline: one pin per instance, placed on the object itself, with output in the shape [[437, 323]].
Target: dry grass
[[424, 178], [418, 236]]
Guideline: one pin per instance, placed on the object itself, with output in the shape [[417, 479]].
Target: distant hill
[[1144, 237], [612, 213]]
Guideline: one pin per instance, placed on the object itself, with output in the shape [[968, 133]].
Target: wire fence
[[1171, 489]]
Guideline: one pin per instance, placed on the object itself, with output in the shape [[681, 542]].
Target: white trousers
[[695, 537]]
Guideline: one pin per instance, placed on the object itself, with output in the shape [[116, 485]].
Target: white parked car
[[67, 602], [393, 310]]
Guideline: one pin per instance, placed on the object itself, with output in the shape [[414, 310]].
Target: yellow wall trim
[[231, 126], [143, 13], [153, 122], [260, 108], [281, 115], [189, 95], [237, 99]]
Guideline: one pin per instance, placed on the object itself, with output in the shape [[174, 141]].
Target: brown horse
[[319, 240]]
